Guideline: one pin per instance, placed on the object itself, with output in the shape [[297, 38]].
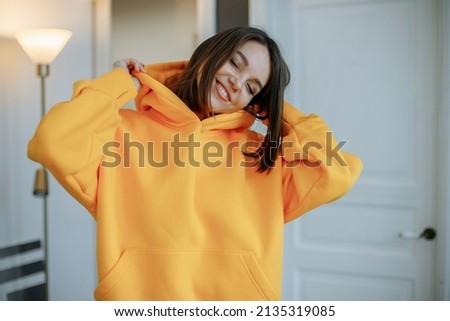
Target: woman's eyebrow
[[245, 61], [243, 57]]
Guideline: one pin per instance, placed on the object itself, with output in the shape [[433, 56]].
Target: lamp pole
[[42, 45], [41, 181]]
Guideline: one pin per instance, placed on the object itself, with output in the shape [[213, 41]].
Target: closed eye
[[250, 90]]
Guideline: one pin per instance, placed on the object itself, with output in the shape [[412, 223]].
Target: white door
[[369, 67]]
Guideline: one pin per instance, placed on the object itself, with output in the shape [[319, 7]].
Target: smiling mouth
[[223, 93]]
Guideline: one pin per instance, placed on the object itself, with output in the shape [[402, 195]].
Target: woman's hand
[[130, 65]]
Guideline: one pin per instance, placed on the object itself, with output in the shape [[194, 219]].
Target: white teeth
[[223, 92]]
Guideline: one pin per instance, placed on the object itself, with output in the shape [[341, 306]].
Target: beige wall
[[153, 30]]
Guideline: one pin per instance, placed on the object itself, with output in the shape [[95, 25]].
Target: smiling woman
[[241, 78], [208, 223], [221, 64]]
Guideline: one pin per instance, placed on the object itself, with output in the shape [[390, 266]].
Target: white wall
[[71, 235], [153, 30]]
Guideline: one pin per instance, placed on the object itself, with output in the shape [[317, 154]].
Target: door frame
[[260, 15], [101, 30]]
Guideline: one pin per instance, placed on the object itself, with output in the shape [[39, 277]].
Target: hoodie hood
[[155, 97]]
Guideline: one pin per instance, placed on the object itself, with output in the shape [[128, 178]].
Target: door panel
[[369, 69]]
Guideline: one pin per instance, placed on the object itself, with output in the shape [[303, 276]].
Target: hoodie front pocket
[[186, 275]]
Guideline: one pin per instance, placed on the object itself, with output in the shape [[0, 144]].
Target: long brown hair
[[194, 85]]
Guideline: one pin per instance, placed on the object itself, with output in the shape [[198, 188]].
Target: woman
[[189, 202]]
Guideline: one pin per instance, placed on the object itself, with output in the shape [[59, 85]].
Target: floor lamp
[[42, 46]]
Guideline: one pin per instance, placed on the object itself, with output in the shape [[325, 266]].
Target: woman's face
[[241, 78]]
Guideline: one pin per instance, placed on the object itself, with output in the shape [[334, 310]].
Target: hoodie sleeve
[[70, 137], [316, 170]]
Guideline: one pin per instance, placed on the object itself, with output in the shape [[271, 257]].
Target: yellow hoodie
[[181, 214]]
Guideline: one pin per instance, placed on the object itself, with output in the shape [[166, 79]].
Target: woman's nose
[[236, 84]]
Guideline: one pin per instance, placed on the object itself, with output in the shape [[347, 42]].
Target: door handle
[[428, 234]]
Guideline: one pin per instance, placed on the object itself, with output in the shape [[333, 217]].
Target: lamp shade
[[42, 45]]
